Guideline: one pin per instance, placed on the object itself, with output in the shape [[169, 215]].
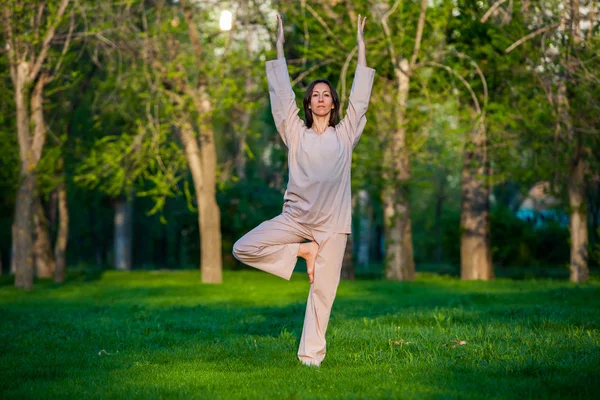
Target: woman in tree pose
[[317, 202]]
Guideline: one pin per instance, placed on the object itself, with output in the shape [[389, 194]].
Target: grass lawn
[[144, 335]]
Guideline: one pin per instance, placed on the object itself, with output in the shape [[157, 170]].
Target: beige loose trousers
[[273, 247]]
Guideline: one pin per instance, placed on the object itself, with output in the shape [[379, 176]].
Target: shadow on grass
[[74, 274]]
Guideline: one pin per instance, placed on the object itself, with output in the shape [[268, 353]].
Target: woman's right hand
[[280, 38]]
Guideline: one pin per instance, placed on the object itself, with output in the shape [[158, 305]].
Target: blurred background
[[137, 135]]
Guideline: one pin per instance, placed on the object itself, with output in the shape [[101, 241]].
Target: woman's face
[[321, 101]]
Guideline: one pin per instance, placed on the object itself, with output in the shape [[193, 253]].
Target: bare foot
[[309, 251]]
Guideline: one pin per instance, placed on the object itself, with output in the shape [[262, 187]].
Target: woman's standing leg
[[322, 292], [272, 246]]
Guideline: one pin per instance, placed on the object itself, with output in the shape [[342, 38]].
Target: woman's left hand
[[360, 38]]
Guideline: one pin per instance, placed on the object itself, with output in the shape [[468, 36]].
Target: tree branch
[[311, 69], [343, 76], [12, 51], [37, 116], [388, 34], [419, 35], [193, 33], [531, 35], [391, 10], [481, 76], [463, 80], [306, 34], [47, 39], [491, 10], [37, 23], [65, 47], [318, 18]]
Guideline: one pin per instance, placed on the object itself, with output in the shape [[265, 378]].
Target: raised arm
[[354, 121], [283, 100]]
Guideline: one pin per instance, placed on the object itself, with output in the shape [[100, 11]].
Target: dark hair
[[334, 117]]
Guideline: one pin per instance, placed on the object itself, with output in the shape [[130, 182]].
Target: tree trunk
[[208, 211], [210, 215], [593, 201], [578, 221], [365, 218], [44, 258], [60, 248], [23, 232], [23, 73], [475, 250], [399, 259], [577, 166], [205, 182], [13, 252], [123, 222], [348, 261]]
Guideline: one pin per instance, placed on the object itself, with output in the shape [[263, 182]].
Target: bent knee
[[239, 249]]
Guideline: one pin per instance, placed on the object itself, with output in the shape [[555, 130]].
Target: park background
[[137, 136]]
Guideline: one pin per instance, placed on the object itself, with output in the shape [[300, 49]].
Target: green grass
[[144, 335]]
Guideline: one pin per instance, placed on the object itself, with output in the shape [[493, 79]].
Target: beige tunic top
[[318, 191]]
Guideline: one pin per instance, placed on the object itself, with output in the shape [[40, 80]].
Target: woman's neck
[[320, 124]]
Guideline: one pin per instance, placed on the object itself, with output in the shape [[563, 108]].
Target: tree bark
[[578, 222], [62, 238], [365, 230], [399, 259], [208, 210], [210, 215], [348, 261], [44, 258], [13, 251], [23, 232], [593, 201], [348, 265], [475, 250]]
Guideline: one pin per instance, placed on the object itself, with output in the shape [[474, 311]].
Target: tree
[[399, 263], [566, 68], [30, 29]]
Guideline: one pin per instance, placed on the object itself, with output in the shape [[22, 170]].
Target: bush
[[519, 243]]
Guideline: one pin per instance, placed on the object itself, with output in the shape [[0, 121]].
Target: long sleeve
[[354, 121], [283, 100]]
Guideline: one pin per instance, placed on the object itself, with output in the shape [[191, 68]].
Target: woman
[[317, 202]]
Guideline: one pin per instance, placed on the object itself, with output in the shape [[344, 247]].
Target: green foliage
[[115, 107], [520, 243]]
